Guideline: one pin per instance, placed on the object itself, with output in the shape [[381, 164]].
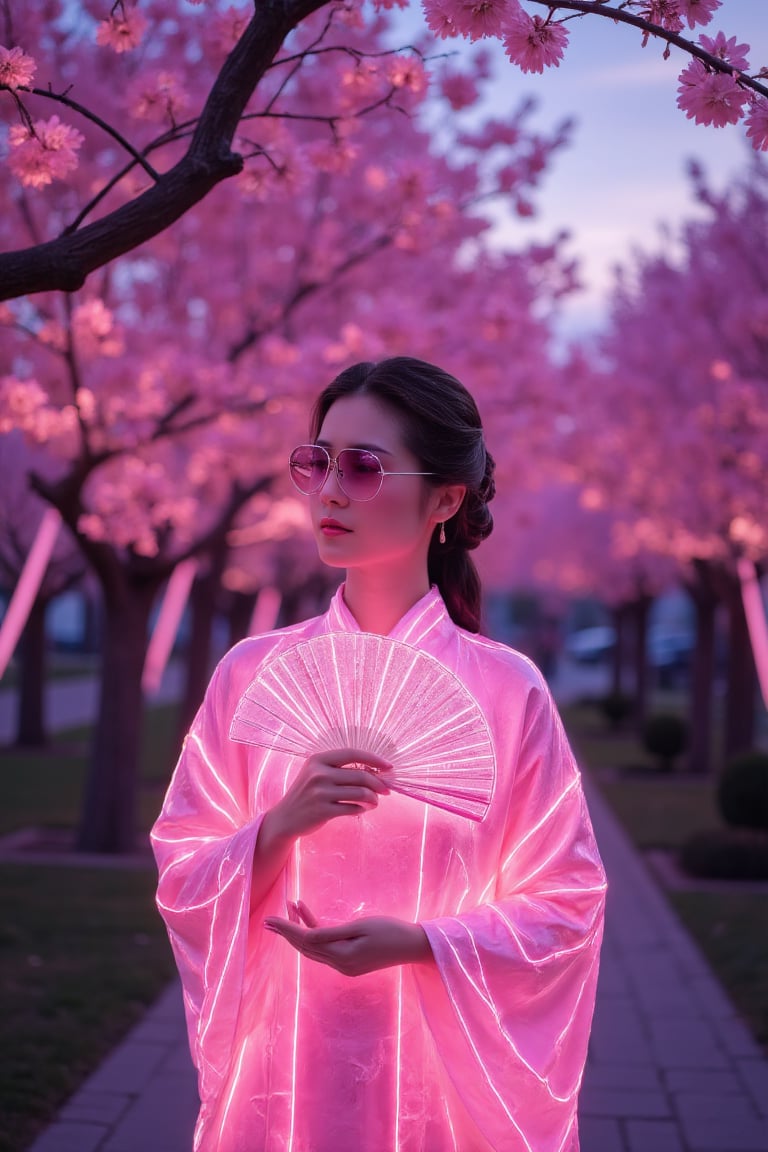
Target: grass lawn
[[60, 666], [82, 955], [732, 930], [658, 811], [82, 950]]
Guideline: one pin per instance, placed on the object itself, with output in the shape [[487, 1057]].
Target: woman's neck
[[378, 600]]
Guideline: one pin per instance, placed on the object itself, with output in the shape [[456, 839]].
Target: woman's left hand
[[355, 948]]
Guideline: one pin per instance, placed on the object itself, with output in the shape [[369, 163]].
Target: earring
[[442, 532]]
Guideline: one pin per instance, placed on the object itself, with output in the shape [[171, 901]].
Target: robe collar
[[428, 615]]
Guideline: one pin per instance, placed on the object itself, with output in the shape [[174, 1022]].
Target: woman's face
[[395, 527]]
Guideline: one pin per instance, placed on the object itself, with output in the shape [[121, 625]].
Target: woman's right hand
[[327, 787]]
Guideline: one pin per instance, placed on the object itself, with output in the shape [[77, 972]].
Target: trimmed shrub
[[726, 854], [665, 737], [742, 793], [616, 707]]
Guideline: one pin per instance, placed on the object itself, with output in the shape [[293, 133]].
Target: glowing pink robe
[[485, 1048]]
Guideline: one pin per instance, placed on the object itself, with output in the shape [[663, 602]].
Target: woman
[[364, 971]]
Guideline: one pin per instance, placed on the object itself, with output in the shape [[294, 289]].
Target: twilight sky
[[625, 172]]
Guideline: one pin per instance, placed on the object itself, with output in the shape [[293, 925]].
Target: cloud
[[643, 72]]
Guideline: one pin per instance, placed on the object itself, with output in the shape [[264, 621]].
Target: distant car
[[669, 654], [591, 645], [670, 650], [667, 651]]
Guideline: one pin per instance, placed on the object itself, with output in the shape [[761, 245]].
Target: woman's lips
[[333, 528]]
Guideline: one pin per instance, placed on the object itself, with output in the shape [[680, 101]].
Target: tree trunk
[[640, 611], [30, 731], [92, 621], [700, 705], [241, 605], [618, 656], [108, 820], [741, 688]]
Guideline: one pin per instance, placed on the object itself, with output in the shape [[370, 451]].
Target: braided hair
[[442, 428]]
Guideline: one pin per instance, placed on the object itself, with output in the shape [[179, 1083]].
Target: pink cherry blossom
[[349, 15], [459, 90], [362, 82], [534, 43], [407, 72], [93, 526], [728, 50], [26, 405], [665, 13], [757, 124], [94, 330], [19, 402], [710, 97], [158, 97], [440, 17], [699, 11], [476, 19], [16, 68], [122, 32], [335, 156], [52, 334], [47, 153]]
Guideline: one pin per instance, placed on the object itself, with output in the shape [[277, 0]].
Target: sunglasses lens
[[309, 467], [360, 473]]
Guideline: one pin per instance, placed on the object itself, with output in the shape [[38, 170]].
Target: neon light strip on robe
[[398, 1048], [412, 636], [297, 994], [486, 997], [28, 586], [468, 1035], [219, 780]]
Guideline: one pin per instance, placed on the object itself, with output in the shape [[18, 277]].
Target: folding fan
[[359, 690]]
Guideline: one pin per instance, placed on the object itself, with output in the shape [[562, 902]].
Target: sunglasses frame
[[333, 465]]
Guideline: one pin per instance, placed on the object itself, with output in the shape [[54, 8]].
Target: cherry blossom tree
[[168, 399], [245, 67], [569, 542], [673, 430]]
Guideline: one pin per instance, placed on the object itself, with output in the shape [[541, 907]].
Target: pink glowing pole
[[265, 610], [28, 586], [756, 621], [167, 625]]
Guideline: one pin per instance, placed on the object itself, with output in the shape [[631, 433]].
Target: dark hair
[[442, 428]]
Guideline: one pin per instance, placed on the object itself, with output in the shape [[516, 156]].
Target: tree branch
[[302, 291], [62, 98], [63, 264], [619, 15]]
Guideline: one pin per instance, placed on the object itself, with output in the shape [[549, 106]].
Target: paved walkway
[[671, 1067]]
